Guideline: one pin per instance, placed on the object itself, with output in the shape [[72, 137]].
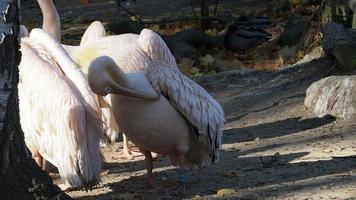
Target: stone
[[294, 30], [334, 95]]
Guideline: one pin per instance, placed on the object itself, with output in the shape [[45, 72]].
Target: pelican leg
[[38, 158], [149, 166], [65, 186], [126, 149], [45, 165], [182, 180], [128, 154]]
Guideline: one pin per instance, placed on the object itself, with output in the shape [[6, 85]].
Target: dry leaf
[[226, 192], [206, 60], [197, 197], [185, 65], [103, 173]]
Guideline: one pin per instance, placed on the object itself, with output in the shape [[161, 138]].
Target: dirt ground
[[273, 148]]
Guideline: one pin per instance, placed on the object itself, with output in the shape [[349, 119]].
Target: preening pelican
[[174, 116], [131, 52], [57, 111]]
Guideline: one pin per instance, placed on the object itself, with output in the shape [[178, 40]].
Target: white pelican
[[57, 111], [177, 117], [131, 52]]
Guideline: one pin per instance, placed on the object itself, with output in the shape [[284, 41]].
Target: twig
[[191, 4], [216, 7], [128, 11]]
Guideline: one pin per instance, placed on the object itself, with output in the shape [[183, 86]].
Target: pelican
[[175, 116], [131, 52], [57, 111]]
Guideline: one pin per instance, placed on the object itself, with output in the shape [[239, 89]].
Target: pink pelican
[[57, 111], [176, 117]]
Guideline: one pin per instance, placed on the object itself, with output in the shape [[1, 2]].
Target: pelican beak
[[120, 90]]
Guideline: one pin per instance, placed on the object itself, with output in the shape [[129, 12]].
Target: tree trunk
[[204, 12], [20, 177]]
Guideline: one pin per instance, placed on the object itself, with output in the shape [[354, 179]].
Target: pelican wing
[[193, 102], [70, 69], [53, 117], [156, 48], [94, 32]]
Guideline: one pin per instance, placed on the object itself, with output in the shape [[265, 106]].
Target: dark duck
[[246, 33]]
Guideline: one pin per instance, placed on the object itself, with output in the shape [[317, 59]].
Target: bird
[[57, 117], [246, 33], [130, 51], [174, 115]]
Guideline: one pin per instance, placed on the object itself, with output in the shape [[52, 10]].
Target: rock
[[333, 95], [121, 26], [314, 54], [294, 30], [339, 42]]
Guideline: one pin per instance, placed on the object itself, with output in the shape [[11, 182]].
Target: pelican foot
[[182, 181], [130, 155], [150, 183], [65, 187]]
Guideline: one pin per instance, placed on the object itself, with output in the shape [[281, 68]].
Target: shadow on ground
[[240, 173], [275, 129]]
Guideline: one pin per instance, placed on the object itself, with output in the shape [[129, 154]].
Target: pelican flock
[[131, 52], [129, 82]]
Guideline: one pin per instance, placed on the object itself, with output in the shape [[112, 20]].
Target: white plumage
[[56, 111], [185, 123], [131, 52]]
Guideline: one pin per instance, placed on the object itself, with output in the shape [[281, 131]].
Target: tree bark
[[20, 177]]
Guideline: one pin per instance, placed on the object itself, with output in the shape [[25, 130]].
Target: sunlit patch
[[84, 58]]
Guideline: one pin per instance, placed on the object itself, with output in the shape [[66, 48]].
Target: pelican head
[[105, 77]]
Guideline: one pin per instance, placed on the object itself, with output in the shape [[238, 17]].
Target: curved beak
[[120, 90]]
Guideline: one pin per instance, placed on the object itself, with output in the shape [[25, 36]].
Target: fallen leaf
[[197, 197], [206, 60], [226, 192], [155, 28], [133, 18], [212, 32], [195, 72], [295, 2], [185, 65], [103, 173]]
